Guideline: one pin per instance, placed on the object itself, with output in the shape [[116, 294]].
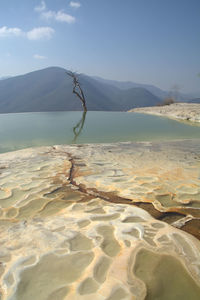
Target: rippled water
[[23, 130]]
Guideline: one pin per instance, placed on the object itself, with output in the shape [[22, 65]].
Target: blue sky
[[145, 41]]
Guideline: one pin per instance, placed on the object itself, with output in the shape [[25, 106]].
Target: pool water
[[22, 130]]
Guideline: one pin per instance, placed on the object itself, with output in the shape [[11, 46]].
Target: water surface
[[21, 130]]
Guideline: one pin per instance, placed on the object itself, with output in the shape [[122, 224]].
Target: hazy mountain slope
[[141, 97], [124, 85], [35, 91], [151, 88], [51, 90], [196, 100]]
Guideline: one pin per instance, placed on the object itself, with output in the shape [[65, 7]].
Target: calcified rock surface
[[63, 237], [180, 111]]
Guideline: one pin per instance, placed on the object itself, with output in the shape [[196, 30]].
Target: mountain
[[50, 89], [124, 85], [151, 88], [196, 100]]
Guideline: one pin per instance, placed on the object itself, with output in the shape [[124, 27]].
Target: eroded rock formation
[[74, 225]]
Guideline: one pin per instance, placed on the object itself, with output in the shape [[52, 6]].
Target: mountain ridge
[[162, 94], [50, 89]]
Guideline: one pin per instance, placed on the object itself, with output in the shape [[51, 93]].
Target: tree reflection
[[79, 126]]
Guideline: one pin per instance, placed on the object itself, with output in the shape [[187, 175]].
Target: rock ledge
[[181, 111]]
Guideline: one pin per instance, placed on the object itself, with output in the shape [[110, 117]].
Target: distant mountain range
[[124, 85], [196, 100], [50, 89], [181, 97]]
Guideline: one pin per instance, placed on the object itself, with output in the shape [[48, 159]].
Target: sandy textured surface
[[74, 222], [181, 111]]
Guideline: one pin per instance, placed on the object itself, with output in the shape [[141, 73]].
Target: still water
[[22, 130]]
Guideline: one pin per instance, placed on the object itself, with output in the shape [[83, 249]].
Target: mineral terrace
[[109, 221], [179, 111]]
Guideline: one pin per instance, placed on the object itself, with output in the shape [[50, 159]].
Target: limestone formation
[[179, 111], [75, 222]]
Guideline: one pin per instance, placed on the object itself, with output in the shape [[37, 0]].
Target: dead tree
[[77, 90]]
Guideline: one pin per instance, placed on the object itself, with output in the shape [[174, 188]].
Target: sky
[[145, 41]]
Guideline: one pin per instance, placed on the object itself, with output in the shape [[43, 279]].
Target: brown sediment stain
[[65, 170], [110, 233], [170, 216], [192, 227], [84, 249], [53, 198], [114, 198], [75, 172], [69, 191]]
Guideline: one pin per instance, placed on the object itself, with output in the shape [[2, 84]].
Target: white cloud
[[63, 17], [59, 16], [40, 33], [6, 32], [34, 34], [40, 7], [48, 15], [75, 4], [37, 56]]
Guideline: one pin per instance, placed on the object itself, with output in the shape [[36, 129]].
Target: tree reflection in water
[[79, 126]]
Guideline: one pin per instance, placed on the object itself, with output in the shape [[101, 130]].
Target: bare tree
[[77, 90]]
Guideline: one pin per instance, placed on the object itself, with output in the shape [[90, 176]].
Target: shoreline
[[187, 112]]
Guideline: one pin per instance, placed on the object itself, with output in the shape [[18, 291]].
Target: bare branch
[[77, 90]]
